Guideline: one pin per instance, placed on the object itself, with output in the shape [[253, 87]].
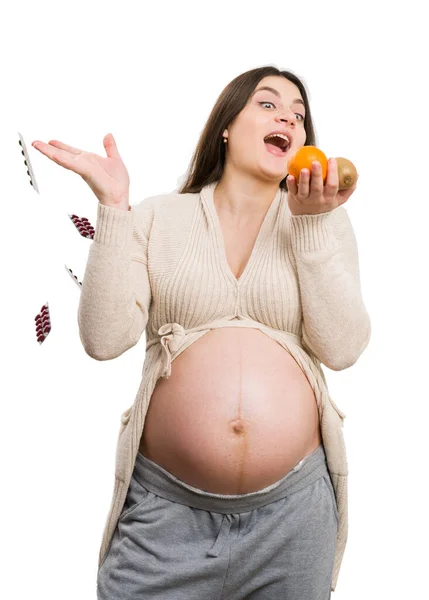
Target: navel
[[237, 426]]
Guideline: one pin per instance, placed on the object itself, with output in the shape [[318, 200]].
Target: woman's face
[[266, 112]]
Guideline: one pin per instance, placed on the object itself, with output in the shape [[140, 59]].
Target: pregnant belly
[[236, 414]]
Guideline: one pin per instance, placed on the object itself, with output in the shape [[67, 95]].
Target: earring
[[225, 140]]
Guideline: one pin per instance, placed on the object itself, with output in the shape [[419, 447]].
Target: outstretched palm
[[106, 176]]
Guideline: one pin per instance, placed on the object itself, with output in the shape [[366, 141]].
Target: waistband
[[161, 482]]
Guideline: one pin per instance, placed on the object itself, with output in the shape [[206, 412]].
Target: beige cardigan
[[162, 266]]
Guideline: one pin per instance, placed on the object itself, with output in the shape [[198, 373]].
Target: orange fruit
[[303, 159]]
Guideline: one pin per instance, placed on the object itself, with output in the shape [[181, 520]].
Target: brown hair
[[208, 160]]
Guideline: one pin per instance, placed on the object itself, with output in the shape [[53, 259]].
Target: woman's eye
[[266, 102]]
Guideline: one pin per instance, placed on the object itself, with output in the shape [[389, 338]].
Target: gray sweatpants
[[176, 542]]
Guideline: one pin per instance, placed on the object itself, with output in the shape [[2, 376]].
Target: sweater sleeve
[[336, 327], [116, 296]]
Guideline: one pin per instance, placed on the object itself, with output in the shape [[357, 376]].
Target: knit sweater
[[161, 267]]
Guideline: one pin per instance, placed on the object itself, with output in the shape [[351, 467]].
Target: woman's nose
[[288, 116]]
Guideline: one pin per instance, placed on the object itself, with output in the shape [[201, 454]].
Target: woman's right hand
[[107, 177]]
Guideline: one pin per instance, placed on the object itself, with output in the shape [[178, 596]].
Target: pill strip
[[83, 226]]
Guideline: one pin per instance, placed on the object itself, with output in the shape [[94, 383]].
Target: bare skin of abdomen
[[236, 414]]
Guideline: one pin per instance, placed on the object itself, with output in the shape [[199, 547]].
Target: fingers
[[108, 142], [291, 185], [110, 146], [302, 187], [304, 184], [65, 147], [45, 148], [332, 180], [68, 160]]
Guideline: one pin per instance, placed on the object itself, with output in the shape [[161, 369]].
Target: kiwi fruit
[[347, 173]]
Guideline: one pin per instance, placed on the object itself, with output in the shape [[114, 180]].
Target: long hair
[[208, 160]]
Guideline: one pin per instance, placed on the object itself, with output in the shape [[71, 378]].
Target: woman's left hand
[[314, 198]]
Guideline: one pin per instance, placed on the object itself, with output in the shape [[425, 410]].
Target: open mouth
[[276, 145]]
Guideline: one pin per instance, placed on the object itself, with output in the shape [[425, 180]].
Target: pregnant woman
[[231, 470]]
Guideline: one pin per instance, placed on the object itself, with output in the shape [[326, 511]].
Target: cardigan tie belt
[[172, 336]]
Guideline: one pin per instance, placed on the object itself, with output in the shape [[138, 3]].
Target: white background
[[150, 74]]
